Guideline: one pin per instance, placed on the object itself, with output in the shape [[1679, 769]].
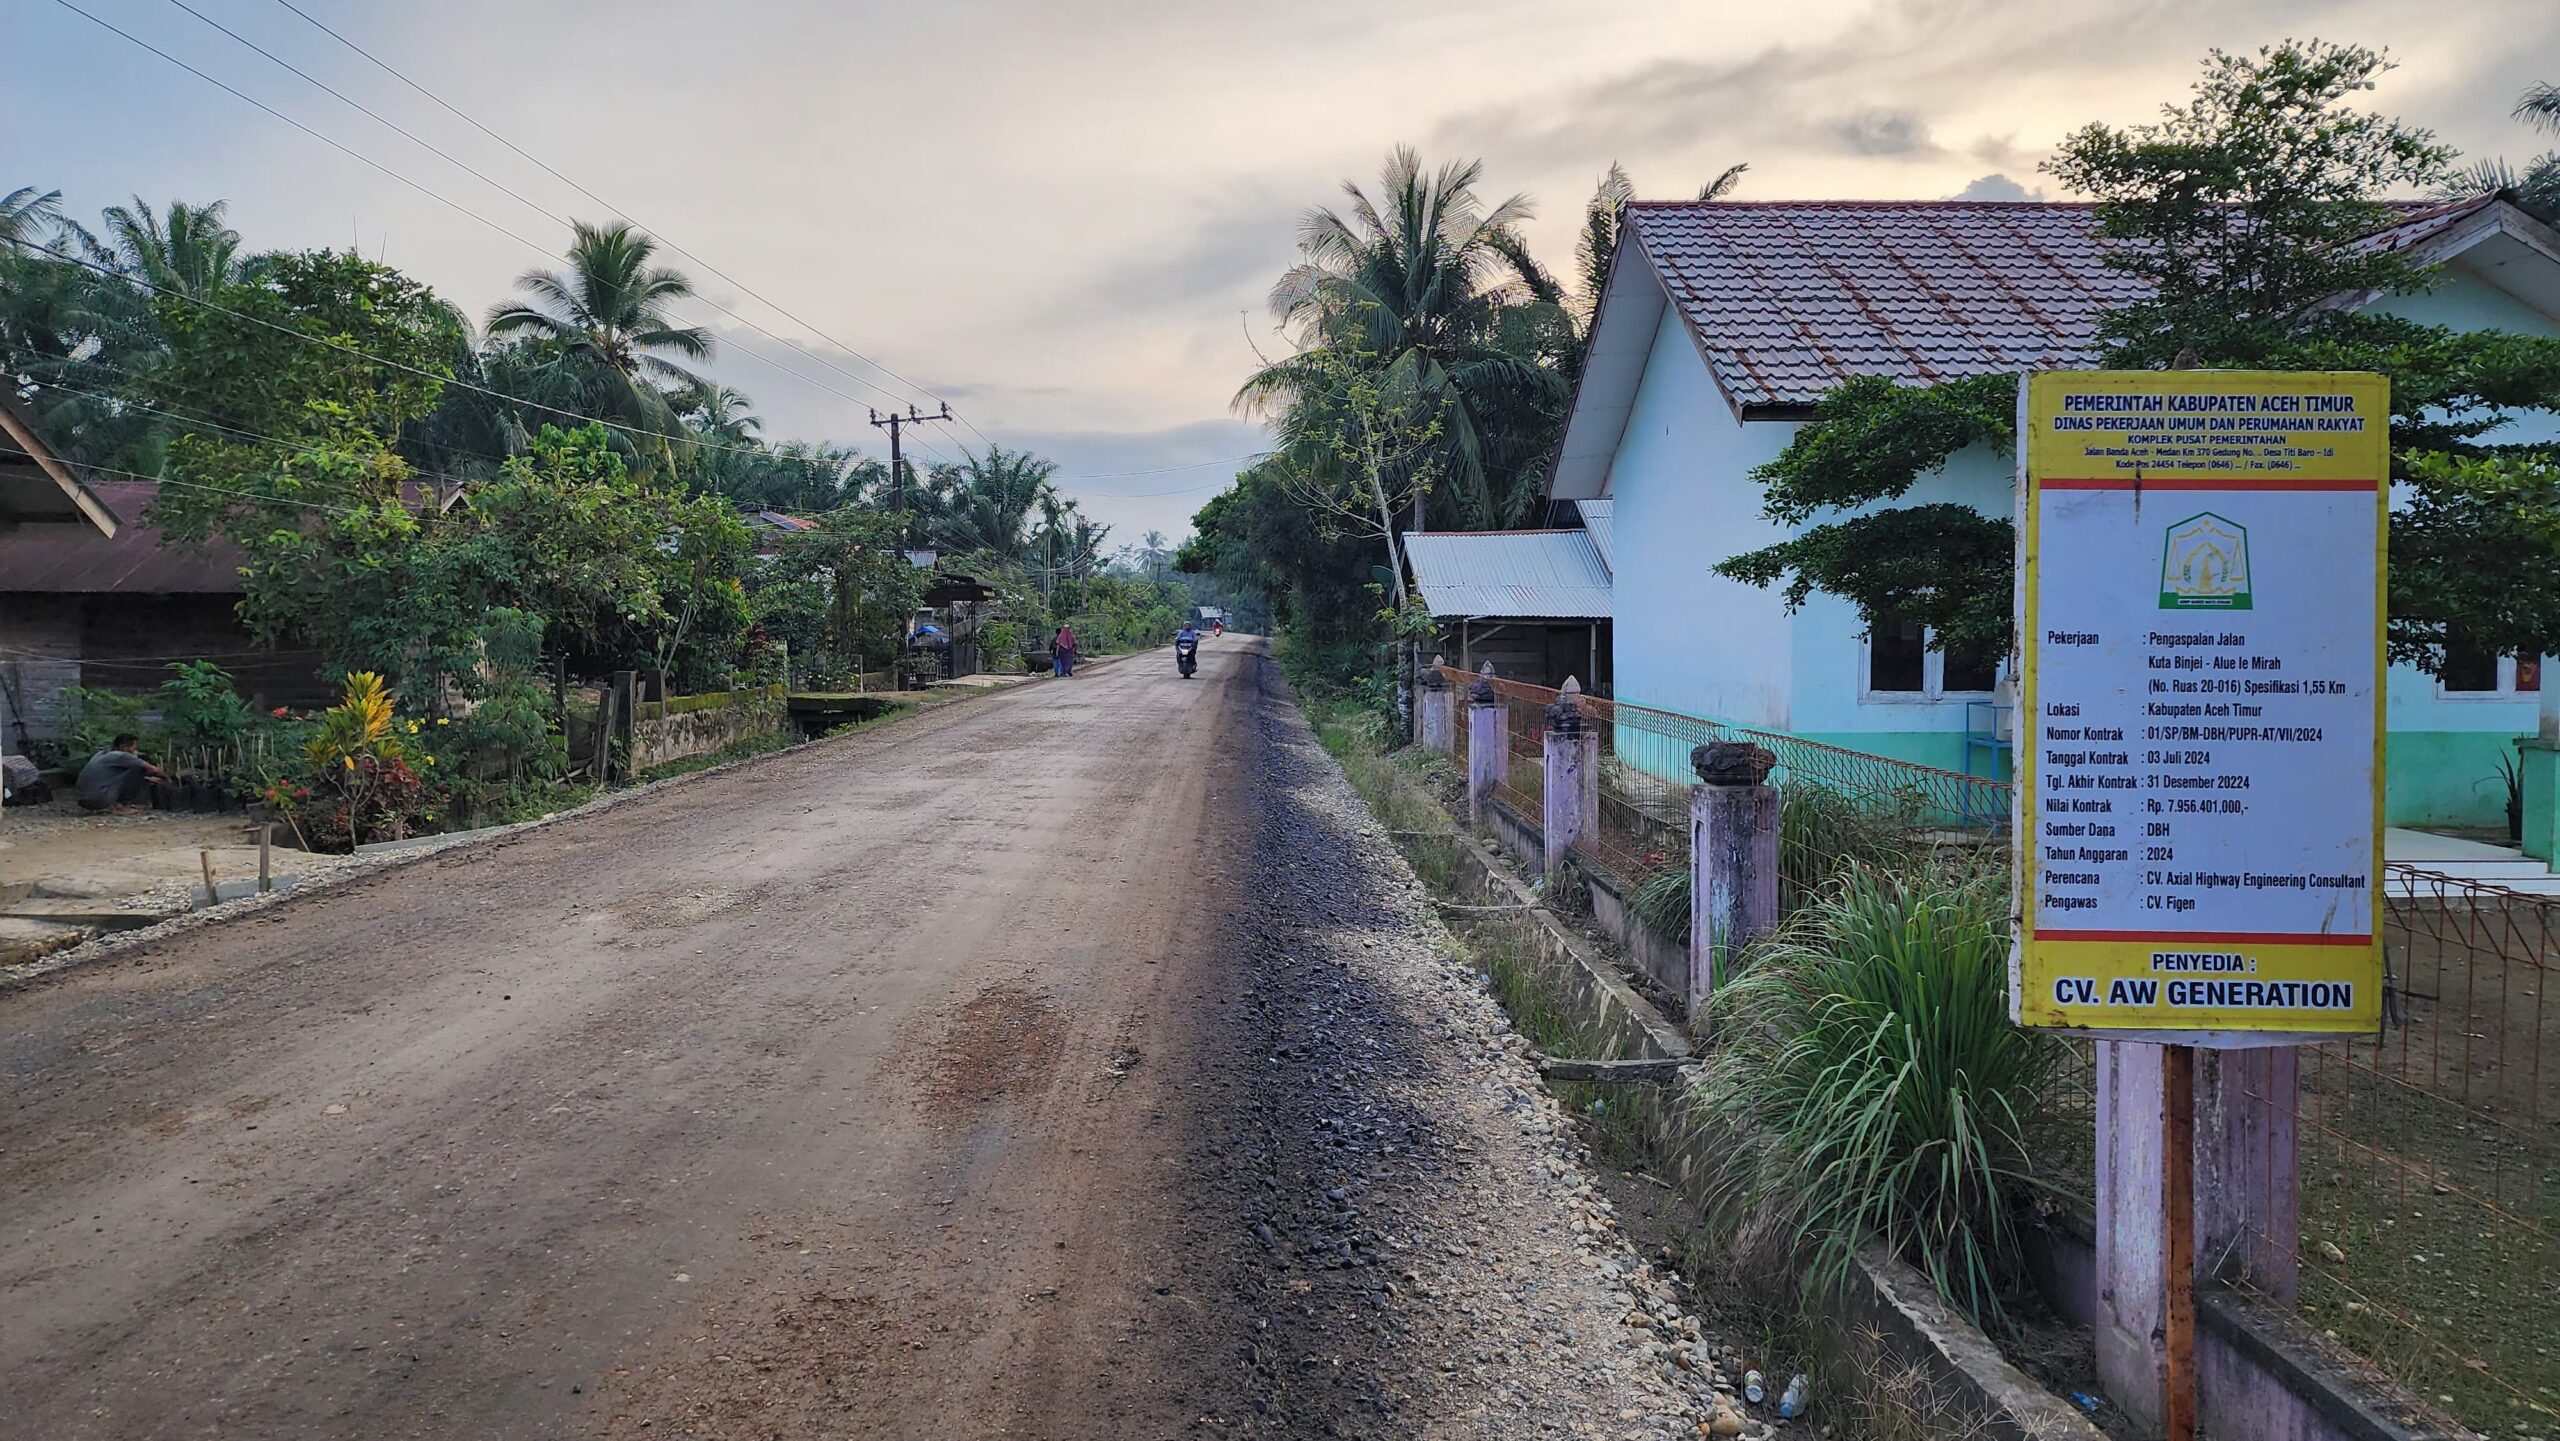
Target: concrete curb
[[428, 848]]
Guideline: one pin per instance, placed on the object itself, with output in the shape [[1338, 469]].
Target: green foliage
[[1874, 1089], [1426, 281], [1871, 440], [511, 725], [840, 594], [201, 710], [2473, 555], [2240, 208], [87, 720]]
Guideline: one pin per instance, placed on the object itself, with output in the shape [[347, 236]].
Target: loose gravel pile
[[1423, 1251]]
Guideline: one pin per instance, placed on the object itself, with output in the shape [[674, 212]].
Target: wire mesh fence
[[2423, 1220]]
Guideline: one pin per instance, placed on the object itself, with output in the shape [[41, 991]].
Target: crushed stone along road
[[1079, 1063]]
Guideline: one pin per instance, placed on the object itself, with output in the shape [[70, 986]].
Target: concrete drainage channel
[[1891, 1319]]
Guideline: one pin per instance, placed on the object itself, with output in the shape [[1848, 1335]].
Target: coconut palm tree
[[2540, 106], [26, 214], [189, 250], [2537, 186], [609, 318], [1428, 283], [989, 501], [723, 413]]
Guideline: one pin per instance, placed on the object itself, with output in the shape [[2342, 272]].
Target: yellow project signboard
[[2200, 721]]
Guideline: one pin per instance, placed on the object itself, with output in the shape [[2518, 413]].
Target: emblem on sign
[[2204, 565]]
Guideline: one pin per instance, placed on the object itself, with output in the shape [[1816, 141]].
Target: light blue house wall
[[2444, 750], [1691, 641]]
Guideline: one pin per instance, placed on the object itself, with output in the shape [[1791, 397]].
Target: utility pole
[[894, 423]]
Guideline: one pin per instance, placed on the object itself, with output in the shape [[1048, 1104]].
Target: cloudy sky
[[1063, 216]]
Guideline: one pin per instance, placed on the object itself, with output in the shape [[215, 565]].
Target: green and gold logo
[[2204, 565]]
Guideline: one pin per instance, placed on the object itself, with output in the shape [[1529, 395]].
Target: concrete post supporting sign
[[2132, 1226], [1572, 788], [1436, 709], [1488, 743], [1733, 855], [2247, 1217]]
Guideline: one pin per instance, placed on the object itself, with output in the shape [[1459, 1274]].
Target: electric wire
[[547, 168], [529, 203]]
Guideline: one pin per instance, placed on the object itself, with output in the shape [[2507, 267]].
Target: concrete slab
[[2400, 843]]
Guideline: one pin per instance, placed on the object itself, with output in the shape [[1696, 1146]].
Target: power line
[[458, 163], [564, 179]]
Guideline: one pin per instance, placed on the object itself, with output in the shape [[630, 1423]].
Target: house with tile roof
[[1724, 322]]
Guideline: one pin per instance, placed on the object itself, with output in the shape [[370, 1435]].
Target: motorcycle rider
[[1185, 641]]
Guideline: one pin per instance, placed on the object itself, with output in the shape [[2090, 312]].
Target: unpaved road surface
[[1077, 1062]]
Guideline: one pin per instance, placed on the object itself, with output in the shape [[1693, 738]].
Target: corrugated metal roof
[[1599, 519], [1523, 574], [1789, 299], [55, 559]]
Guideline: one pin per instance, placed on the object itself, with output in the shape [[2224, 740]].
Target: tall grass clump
[[1873, 1090], [1823, 831]]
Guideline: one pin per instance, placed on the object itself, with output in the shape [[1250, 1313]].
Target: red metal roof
[[55, 559], [1789, 299]]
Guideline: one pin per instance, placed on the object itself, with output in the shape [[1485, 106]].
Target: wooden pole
[[2178, 1181], [266, 839], [205, 859]]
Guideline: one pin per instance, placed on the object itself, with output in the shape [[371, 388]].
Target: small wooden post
[[266, 840], [1488, 743], [1572, 790], [205, 859], [2178, 1199]]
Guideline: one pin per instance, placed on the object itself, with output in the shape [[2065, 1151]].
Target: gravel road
[[1078, 1062]]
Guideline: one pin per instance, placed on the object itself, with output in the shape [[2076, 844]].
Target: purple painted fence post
[[1436, 709], [1733, 858], [1488, 743], [1572, 786]]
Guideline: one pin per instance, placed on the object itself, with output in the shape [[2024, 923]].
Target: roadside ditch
[[1886, 1359]]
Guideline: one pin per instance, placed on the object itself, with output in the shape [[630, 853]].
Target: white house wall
[[1688, 639]]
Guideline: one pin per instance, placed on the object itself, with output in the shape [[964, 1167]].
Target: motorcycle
[[1186, 655]]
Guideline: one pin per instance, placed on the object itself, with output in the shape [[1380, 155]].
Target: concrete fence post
[[2247, 1202], [1436, 709], [1733, 858], [1572, 789], [1488, 743]]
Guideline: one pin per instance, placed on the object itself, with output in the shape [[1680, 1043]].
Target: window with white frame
[[1899, 665], [2469, 674]]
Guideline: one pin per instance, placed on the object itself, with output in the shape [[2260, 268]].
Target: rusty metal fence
[[2426, 1213]]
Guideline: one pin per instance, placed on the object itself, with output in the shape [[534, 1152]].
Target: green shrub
[[88, 720], [204, 714], [1872, 1088]]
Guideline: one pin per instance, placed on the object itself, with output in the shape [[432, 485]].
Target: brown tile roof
[[1790, 298], [57, 559]]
